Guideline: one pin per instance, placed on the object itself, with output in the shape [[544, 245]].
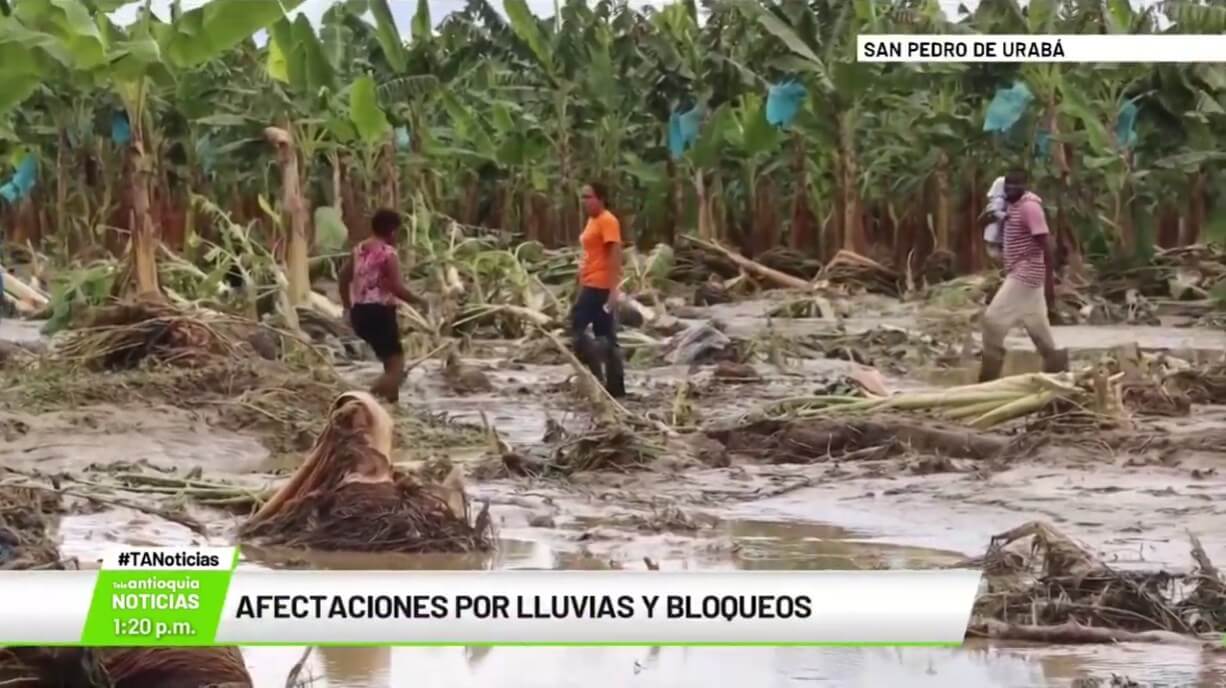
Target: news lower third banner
[[198, 596], [1098, 48]]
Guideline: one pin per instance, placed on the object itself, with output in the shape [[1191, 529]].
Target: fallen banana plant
[[981, 406]]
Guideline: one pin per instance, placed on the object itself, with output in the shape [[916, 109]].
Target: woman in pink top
[[370, 286]]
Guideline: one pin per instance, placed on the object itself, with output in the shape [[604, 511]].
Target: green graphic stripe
[[152, 607]]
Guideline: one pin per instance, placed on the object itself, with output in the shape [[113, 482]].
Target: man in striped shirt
[[1029, 283]]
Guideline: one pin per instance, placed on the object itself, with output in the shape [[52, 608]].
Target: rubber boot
[[615, 374], [587, 351], [1055, 361], [992, 365]]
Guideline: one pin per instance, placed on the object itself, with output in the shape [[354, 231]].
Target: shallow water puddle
[[783, 546], [679, 667], [760, 544], [21, 331], [170, 439]]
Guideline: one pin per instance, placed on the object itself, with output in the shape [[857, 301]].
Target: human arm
[[395, 284]]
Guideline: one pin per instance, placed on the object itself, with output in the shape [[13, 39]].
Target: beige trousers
[[1016, 304]]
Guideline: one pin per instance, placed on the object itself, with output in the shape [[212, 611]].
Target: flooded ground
[[672, 667], [1133, 509]]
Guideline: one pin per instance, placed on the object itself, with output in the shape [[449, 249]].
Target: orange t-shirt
[[595, 270]]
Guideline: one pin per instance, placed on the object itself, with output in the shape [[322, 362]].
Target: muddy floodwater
[[1133, 510]]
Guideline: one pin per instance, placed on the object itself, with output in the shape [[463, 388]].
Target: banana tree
[[540, 53], [1192, 102], [1108, 159], [70, 40], [819, 38], [307, 83], [682, 82], [754, 141]]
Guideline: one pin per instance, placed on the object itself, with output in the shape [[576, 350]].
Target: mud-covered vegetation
[[804, 277]]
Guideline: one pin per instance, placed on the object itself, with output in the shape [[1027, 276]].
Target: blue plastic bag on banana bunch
[[1007, 107], [1125, 126], [993, 236], [783, 101], [402, 138], [682, 130], [19, 186], [121, 131]]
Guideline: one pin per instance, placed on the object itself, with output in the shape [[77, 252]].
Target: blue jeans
[[589, 309]]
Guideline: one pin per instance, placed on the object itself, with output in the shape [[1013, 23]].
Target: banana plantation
[[747, 123], [800, 317]]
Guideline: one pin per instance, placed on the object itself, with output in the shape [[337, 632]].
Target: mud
[[1133, 509]]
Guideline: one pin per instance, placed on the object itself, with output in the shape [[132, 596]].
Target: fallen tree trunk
[[816, 439], [324, 306], [27, 299], [755, 267]]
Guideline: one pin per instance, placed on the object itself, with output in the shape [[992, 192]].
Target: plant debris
[[1043, 586], [346, 496]]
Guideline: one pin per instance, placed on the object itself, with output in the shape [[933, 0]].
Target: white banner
[[1114, 48], [511, 607]]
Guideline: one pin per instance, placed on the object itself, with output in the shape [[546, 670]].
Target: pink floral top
[[369, 257]]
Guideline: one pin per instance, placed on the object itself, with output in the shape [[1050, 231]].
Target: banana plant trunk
[[1190, 230], [1066, 236], [61, 191], [676, 202], [976, 256], [716, 213], [704, 209], [942, 219], [568, 209], [1124, 221], [338, 195], [849, 173], [803, 232], [294, 205], [390, 194], [144, 238]]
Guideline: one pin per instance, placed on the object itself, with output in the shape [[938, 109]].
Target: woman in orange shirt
[[600, 274]]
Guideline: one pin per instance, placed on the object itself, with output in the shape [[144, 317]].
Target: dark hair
[[1016, 175], [385, 222], [599, 190]]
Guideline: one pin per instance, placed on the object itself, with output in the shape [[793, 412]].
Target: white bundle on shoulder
[[996, 206]]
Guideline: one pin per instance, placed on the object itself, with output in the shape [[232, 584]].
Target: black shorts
[[376, 323]]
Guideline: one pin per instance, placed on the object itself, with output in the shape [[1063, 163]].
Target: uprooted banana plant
[[981, 405]]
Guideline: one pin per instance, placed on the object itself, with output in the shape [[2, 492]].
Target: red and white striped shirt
[[1024, 260]]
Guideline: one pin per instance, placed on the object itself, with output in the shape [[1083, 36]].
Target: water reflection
[[760, 545], [790, 546], [677, 667], [357, 667]]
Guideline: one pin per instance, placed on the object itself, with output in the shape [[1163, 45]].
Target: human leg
[[605, 329], [998, 319], [389, 383], [1038, 327], [587, 310], [377, 325]]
